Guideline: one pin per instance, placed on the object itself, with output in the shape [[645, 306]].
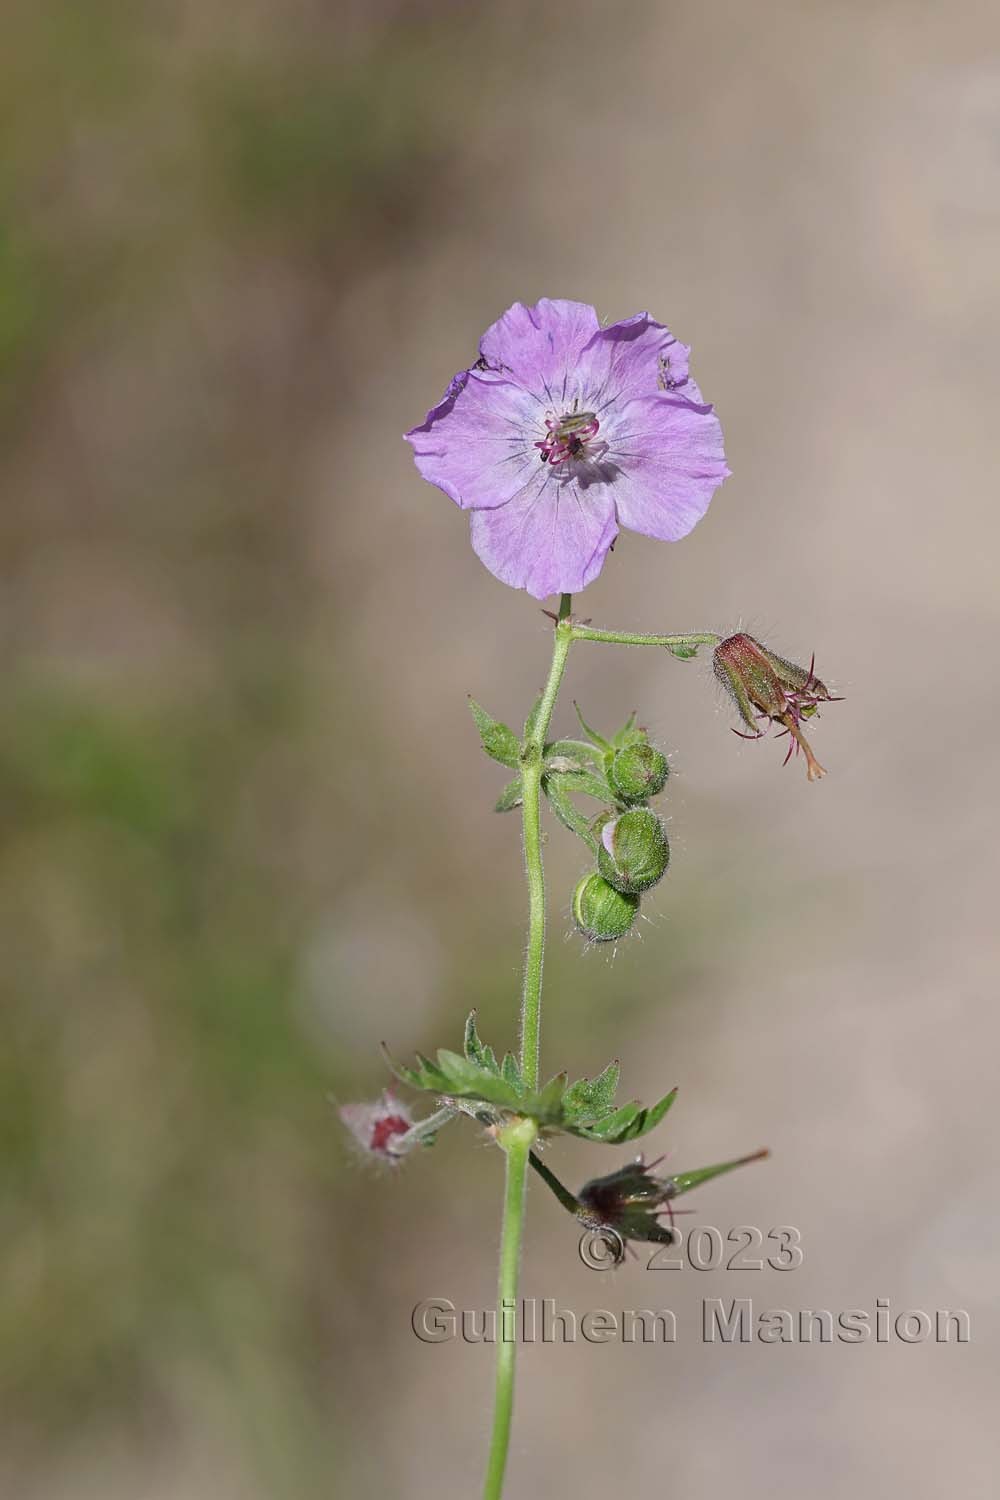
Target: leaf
[[476, 1051], [510, 797], [499, 741], [587, 1100], [454, 1076], [683, 651], [627, 1123], [510, 1069], [592, 735]]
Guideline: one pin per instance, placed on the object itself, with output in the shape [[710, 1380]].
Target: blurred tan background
[[246, 827]]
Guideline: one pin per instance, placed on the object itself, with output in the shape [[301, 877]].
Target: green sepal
[[627, 733], [511, 796], [499, 741], [592, 735], [555, 789], [579, 752], [683, 1182]]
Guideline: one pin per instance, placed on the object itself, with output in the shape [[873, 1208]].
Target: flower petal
[[552, 539], [636, 357], [541, 346], [669, 461], [477, 443]]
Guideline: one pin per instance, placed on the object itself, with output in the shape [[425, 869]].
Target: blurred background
[[246, 827]]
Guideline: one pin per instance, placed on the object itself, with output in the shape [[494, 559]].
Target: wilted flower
[[382, 1129], [765, 687], [562, 432]]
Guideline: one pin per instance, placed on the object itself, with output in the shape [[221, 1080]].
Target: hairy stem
[[518, 1147], [531, 774], [630, 638], [517, 1138]]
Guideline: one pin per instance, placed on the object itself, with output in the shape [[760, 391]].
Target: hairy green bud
[[602, 913], [633, 852], [638, 772]]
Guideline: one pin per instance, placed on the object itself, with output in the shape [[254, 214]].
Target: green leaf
[[627, 1123], [510, 797], [476, 1051], [453, 1076], [587, 1100], [499, 741], [682, 651], [592, 735], [510, 1070]]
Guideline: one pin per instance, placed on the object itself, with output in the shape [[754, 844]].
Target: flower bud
[[602, 913], [638, 772], [634, 852], [767, 687]]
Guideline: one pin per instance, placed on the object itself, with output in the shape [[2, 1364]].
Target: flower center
[[568, 436]]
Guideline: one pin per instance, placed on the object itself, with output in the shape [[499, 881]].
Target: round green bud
[[633, 852], [638, 772], [602, 913]]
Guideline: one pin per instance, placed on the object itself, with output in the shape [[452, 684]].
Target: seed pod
[[633, 852], [602, 913], [638, 772]]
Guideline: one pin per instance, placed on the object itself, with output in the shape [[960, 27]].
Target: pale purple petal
[[552, 539], [541, 345], [477, 444], [636, 357], [669, 461]]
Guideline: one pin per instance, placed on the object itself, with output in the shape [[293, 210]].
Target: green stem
[[629, 638], [517, 1138], [518, 1146], [531, 775]]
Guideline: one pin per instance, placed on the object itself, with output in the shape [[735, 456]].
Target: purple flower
[[562, 432]]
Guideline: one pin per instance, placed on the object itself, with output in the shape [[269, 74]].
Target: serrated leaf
[[454, 1076], [592, 735], [589, 1099], [683, 652], [547, 1103], [510, 1070], [477, 1051], [498, 740], [510, 797], [627, 1123]]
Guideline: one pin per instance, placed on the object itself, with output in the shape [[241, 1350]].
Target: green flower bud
[[602, 913], [638, 772], [633, 852]]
